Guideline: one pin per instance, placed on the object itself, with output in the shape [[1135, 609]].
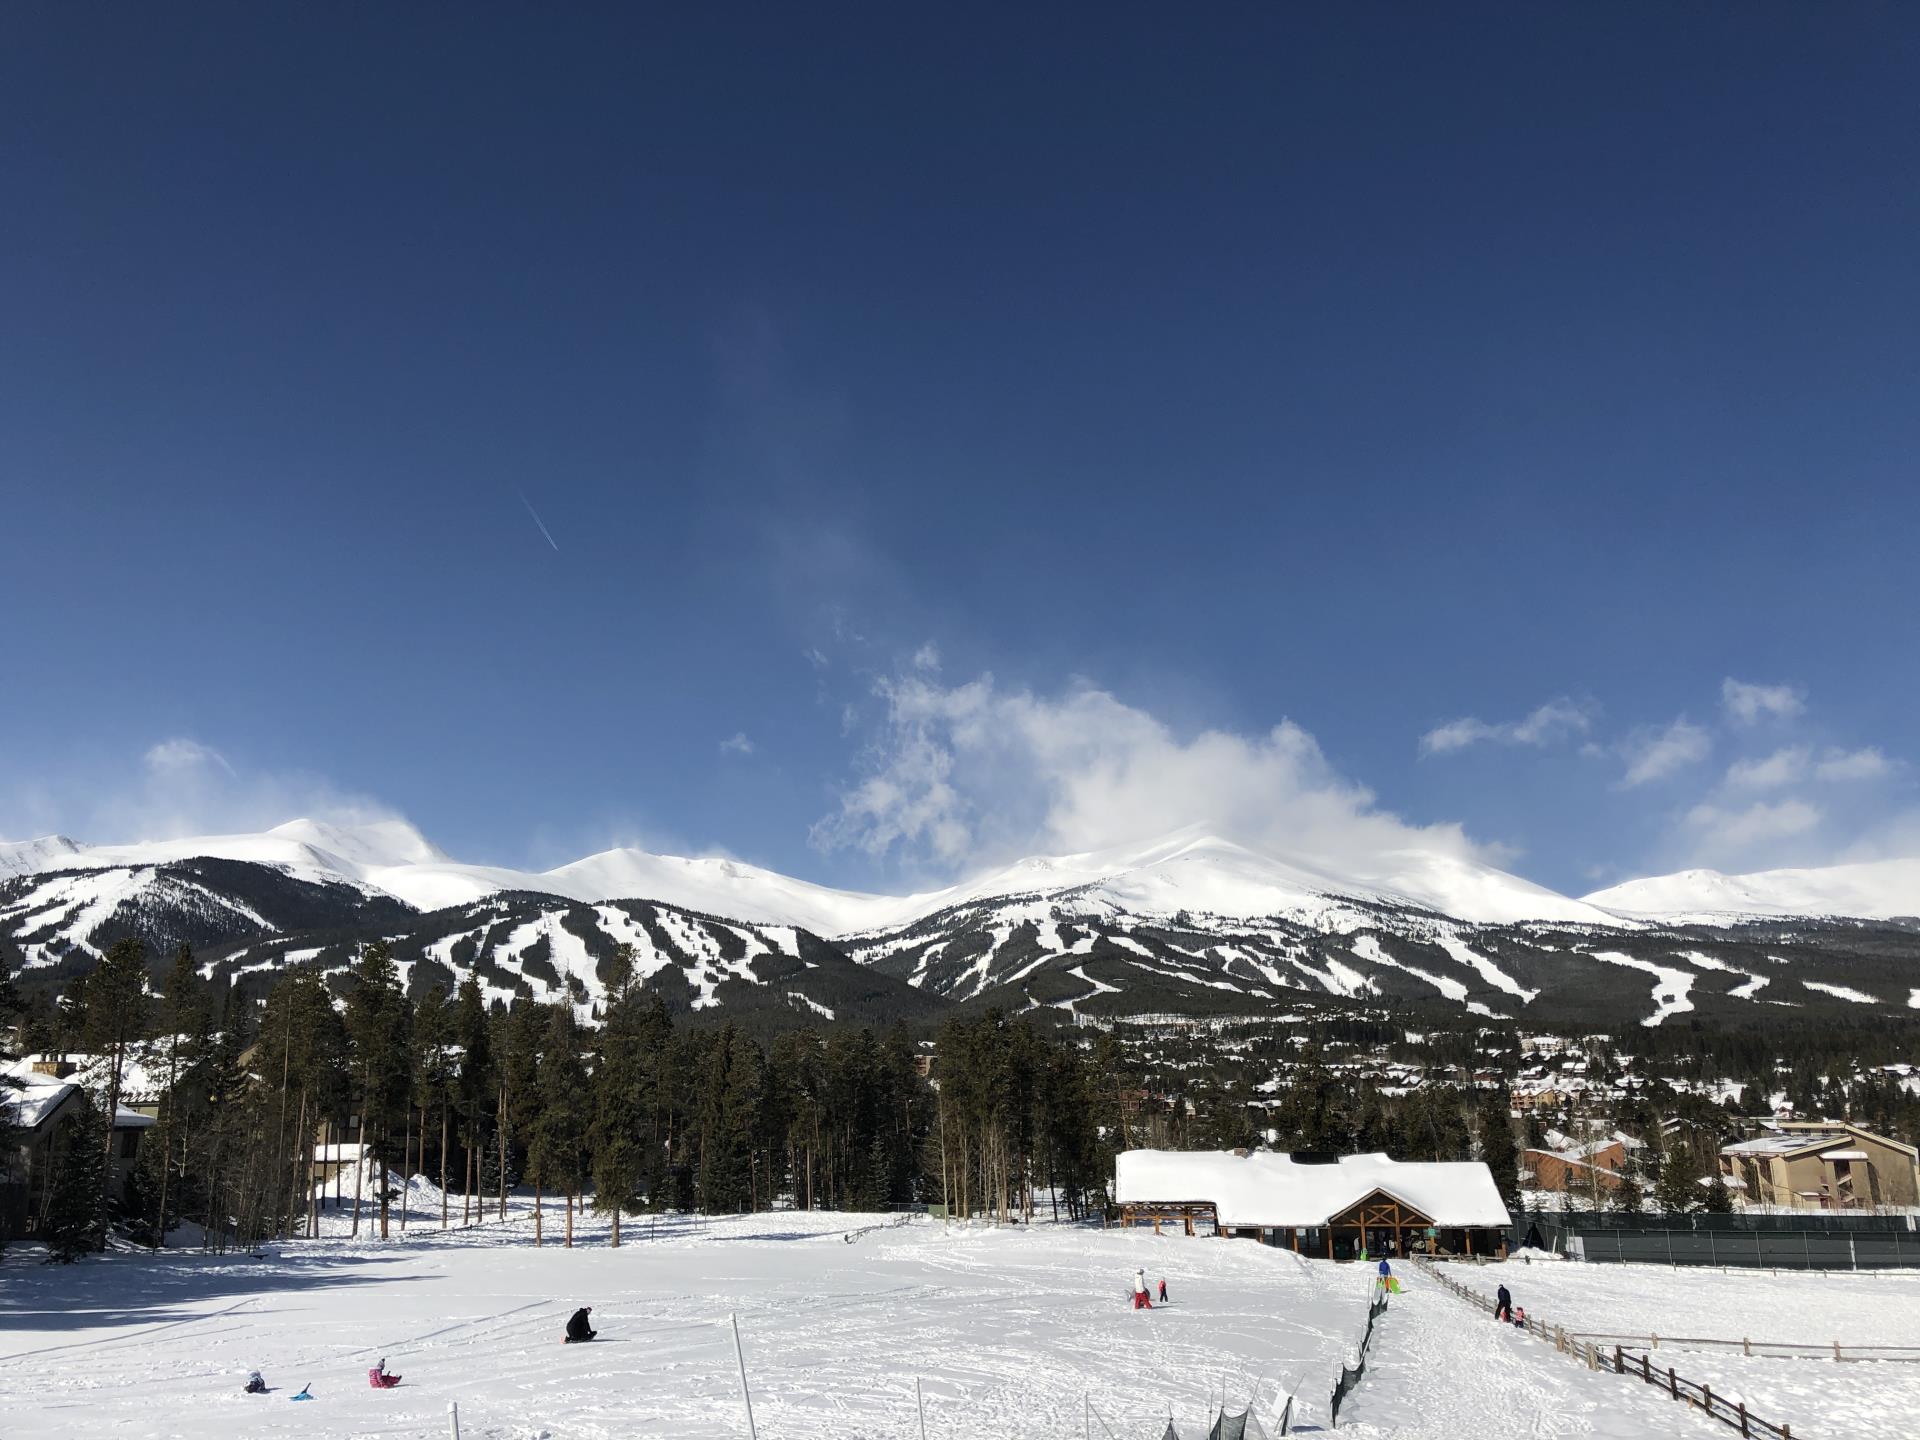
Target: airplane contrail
[[537, 520]]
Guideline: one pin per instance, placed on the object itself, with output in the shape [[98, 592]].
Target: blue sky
[[1254, 396]]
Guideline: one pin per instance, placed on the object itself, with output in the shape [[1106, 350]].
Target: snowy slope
[[1873, 890]]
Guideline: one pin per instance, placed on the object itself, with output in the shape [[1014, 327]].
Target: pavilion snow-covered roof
[[1272, 1189]]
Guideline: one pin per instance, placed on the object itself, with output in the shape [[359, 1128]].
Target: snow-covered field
[[1010, 1332], [1815, 1395]]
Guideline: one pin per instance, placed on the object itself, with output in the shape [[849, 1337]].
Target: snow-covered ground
[[1010, 1333], [1815, 1395]]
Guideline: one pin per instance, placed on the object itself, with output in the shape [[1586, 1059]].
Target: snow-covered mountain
[[1189, 922], [1187, 871], [1872, 890]]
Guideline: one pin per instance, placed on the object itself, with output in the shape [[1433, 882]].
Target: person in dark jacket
[[579, 1331], [1503, 1305]]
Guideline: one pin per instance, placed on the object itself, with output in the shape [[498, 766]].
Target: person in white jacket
[[1140, 1300]]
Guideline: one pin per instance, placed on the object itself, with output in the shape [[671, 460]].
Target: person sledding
[[256, 1383], [1141, 1301], [379, 1379], [579, 1328]]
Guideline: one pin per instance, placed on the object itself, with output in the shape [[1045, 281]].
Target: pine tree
[[379, 1023], [75, 1214], [619, 1084], [1497, 1147], [557, 1143], [474, 1085], [114, 1000]]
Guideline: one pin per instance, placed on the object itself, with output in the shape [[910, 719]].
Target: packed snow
[[1871, 1311], [1670, 992]]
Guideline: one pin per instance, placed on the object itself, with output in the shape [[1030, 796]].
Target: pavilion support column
[[1329, 1242], [1295, 1232], [1469, 1235]]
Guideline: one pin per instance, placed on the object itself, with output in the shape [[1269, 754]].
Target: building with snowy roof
[[1337, 1207], [43, 1096], [1823, 1165]]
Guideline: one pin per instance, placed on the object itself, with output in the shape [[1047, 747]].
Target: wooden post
[[1469, 1235], [1329, 1242], [1743, 1418], [1673, 1384], [1296, 1239]]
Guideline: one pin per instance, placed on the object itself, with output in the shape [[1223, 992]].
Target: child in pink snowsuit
[[379, 1379]]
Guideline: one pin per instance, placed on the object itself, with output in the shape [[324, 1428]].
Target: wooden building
[[1339, 1209]]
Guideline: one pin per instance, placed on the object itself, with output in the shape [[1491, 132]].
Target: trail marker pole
[[745, 1394], [920, 1404], [453, 1419]]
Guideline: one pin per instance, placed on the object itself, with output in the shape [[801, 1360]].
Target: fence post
[[1836, 1349], [1746, 1345], [1673, 1383], [1743, 1418]]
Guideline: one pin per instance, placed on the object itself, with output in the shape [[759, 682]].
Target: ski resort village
[[798, 1184], [959, 722]]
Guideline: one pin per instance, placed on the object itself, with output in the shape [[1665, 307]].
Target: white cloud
[[1783, 767], [1721, 833], [737, 744], [181, 756], [927, 657], [1864, 764], [968, 774], [1655, 754], [815, 658], [1546, 724], [1748, 703]]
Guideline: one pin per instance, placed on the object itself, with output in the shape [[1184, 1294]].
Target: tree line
[[621, 1109]]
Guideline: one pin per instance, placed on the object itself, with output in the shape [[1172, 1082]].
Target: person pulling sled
[[579, 1328], [1503, 1305]]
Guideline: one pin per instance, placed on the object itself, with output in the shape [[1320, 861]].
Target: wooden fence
[[1733, 1414], [1746, 1345]]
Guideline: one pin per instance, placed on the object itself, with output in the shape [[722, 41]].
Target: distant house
[[1571, 1167], [1822, 1165], [1337, 1208], [47, 1097]]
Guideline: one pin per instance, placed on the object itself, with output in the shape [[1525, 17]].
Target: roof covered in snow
[[34, 1097], [1268, 1188]]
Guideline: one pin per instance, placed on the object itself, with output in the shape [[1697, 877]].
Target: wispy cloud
[[1720, 832], [179, 786], [1555, 720], [1783, 767], [1654, 754], [1746, 704], [737, 744], [1864, 764]]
